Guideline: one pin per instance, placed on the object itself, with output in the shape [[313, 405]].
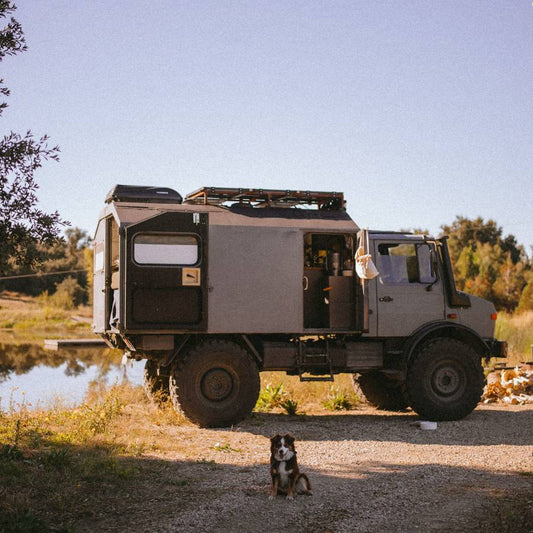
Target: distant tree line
[[486, 264]]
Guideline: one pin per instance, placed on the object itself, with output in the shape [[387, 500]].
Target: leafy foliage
[[486, 263], [338, 400], [70, 255], [22, 223], [270, 397]]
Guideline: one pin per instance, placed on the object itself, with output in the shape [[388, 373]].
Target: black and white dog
[[286, 476]]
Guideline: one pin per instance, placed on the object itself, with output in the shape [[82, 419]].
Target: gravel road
[[371, 471]]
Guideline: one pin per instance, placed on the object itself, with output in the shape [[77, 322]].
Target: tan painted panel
[[255, 279]]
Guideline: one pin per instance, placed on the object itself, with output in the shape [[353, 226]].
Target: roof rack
[[266, 197]]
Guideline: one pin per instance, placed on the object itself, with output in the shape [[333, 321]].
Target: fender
[[444, 329]]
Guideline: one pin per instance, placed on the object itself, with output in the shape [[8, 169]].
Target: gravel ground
[[371, 471]]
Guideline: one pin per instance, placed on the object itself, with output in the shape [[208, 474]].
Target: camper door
[[165, 285]]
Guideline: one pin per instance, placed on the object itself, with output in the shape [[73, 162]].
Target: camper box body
[[171, 268]]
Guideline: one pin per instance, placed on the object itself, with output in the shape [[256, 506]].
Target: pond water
[[36, 377]]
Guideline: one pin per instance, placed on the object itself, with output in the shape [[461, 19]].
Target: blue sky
[[418, 110]]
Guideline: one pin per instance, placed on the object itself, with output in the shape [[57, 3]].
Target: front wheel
[[445, 380], [215, 385]]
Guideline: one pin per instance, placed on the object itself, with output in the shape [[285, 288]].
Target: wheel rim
[[448, 381], [217, 384]]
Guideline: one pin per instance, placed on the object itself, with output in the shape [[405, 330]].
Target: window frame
[[405, 282], [194, 236]]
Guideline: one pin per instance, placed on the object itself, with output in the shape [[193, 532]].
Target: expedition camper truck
[[215, 288]]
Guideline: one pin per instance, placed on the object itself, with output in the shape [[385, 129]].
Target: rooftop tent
[[139, 193]]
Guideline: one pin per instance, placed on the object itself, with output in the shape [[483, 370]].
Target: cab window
[[405, 263]]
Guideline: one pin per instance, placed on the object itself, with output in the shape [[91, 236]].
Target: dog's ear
[[274, 438], [289, 439]]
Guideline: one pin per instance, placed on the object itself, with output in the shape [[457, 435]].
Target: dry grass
[[517, 330], [68, 455], [23, 319]]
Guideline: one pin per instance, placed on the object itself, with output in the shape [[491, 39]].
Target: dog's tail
[[303, 485]]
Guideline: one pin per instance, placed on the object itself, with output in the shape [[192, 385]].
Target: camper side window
[[158, 249]]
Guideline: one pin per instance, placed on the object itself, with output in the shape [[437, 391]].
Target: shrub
[[270, 397], [338, 400], [68, 295], [290, 406]]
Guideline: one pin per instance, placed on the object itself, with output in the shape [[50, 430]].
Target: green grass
[[66, 455], [270, 397], [339, 400]]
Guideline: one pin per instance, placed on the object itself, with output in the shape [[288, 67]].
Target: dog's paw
[[289, 497], [271, 497]]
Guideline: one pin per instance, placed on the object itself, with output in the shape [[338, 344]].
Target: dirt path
[[371, 472]]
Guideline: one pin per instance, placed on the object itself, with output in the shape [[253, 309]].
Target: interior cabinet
[[315, 309]]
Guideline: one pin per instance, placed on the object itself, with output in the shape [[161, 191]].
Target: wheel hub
[[217, 384], [447, 381]]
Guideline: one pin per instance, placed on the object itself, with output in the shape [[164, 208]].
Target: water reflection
[[21, 358], [31, 374]]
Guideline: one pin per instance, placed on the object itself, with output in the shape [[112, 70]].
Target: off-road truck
[[216, 287]]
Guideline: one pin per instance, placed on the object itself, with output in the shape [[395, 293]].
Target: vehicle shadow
[[147, 494], [483, 427]]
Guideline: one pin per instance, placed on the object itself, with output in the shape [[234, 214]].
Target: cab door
[[164, 284], [408, 290]]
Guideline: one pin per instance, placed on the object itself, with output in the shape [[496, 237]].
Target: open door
[[164, 283], [329, 285]]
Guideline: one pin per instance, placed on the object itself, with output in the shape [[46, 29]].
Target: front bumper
[[496, 348]]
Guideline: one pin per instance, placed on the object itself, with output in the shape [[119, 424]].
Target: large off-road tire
[[445, 379], [381, 391], [156, 387], [216, 384]]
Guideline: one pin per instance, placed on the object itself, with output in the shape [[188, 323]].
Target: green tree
[[486, 263], [22, 223], [526, 298], [465, 232], [70, 254]]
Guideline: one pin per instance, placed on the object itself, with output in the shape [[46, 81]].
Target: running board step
[[316, 378], [314, 362]]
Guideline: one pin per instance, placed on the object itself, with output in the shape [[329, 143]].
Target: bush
[[68, 295], [338, 400]]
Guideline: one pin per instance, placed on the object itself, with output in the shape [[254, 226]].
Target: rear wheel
[[445, 380], [215, 385], [381, 391]]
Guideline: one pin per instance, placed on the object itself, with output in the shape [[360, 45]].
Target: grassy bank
[[27, 319], [60, 464]]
